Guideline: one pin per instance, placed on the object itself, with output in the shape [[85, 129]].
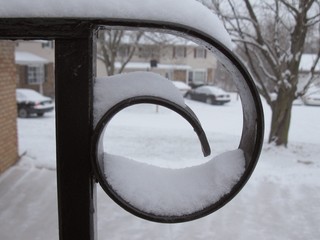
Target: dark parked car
[[31, 102], [209, 94]]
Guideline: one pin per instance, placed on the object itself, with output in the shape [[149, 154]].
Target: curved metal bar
[[97, 150], [80, 28], [253, 121]]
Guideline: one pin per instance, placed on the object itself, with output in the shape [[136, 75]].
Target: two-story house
[[35, 66], [173, 57]]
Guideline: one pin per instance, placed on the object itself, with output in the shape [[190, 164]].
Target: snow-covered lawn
[[280, 201]]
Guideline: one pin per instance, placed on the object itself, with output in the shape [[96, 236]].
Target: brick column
[[8, 106]]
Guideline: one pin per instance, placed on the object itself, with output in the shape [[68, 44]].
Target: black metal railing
[[75, 41]]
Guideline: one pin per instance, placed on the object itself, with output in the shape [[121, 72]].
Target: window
[[47, 44], [198, 76], [149, 52], [179, 52], [200, 52], [123, 51], [35, 74]]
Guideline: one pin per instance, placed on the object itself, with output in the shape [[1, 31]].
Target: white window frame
[[148, 51], [200, 52], [180, 52], [35, 74], [193, 73], [123, 51]]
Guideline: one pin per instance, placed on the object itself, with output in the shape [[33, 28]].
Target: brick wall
[[8, 108]]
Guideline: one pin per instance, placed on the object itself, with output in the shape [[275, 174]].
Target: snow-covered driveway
[[281, 200]]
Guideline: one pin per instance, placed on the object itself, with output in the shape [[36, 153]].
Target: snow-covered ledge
[[174, 192], [188, 13], [108, 91]]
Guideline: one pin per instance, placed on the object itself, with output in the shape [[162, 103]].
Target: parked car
[[183, 87], [209, 94], [312, 97], [31, 102]]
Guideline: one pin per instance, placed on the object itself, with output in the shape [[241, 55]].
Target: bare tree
[[117, 45], [271, 37]]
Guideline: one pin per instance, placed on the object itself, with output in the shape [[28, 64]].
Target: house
[[173, 57], [224, 80], [307, 61], [176, 59], [35, 66]]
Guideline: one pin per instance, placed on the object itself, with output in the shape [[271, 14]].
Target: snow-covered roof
[[28, 58], [307, 61], [182, 12], [146, 65]]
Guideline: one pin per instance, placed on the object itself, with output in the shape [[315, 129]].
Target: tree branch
[[311, 76], [290, 7]]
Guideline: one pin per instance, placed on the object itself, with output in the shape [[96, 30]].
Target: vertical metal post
[[74, 74]]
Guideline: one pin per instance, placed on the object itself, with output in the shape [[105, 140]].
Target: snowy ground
[[280, 201]]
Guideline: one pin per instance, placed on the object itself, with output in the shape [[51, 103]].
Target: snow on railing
[[153, 189], [187, 12]]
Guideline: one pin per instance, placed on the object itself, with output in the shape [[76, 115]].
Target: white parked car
[[312, 97], [183, 87]]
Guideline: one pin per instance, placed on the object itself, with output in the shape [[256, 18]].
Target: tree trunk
[[280, 121]]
